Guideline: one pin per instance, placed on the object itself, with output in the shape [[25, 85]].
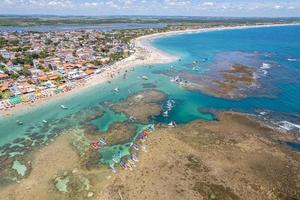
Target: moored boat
[[64, 107]]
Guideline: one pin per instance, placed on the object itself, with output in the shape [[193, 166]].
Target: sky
[[229, 8]]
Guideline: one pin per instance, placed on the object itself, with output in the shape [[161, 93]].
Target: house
[[5, 54], [17, 67], [3, 87], [3, 76], [90, 71], [76, 74], [48, 84], [52, 63]]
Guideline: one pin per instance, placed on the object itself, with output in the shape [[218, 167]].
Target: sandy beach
[[145, 54]]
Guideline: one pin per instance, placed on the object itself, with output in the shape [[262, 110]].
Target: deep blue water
[[280, 91], [279, 46]]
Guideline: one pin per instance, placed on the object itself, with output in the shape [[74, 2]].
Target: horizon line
[[162, 16]]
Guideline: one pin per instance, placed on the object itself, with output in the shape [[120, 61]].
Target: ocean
[[273, 53]]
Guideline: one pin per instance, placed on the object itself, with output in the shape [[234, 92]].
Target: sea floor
[[198, 160]]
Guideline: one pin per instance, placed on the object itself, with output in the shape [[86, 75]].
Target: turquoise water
[[280, 91]]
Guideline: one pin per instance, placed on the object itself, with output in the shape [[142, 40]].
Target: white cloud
[[277, 6], [90, 4], [60, 3], [177, 2], [208, 3], [160, 7]]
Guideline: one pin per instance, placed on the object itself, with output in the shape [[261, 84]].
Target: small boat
[[132, 118], [145, 78], [19, 123], [136, 147], [123, 164], [64, 107], [115, 160], [45, 122], [133, 158], [128, 166], [95, 145], [112, 167], [165, 114], [172, 124], [116, 89], [102, 141], [131, 162]]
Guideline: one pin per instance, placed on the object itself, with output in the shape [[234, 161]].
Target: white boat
[[116, 89], [265, 66], [64, 107], [112, 167], [172, 124], [132, 118], [145, 77], [102, 141], [136, 147], [44, 121], [165, 114]]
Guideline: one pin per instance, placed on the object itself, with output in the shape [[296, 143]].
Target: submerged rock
[[142, 105]]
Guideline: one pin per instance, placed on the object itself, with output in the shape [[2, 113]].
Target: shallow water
[[19, 167], [278, 45]]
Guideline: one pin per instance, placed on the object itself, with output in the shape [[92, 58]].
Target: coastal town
[[39, 65], [188, 110], [36, 65]]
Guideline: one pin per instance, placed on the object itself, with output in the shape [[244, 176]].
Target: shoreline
[[145, 54]]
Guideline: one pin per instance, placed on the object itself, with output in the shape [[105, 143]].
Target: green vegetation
[[60, 20], [28, 58], [96, 62], [2, 60], [14, 76], [116, 56], [3, 42], [24, 72], [6, 94], [8, 43]]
